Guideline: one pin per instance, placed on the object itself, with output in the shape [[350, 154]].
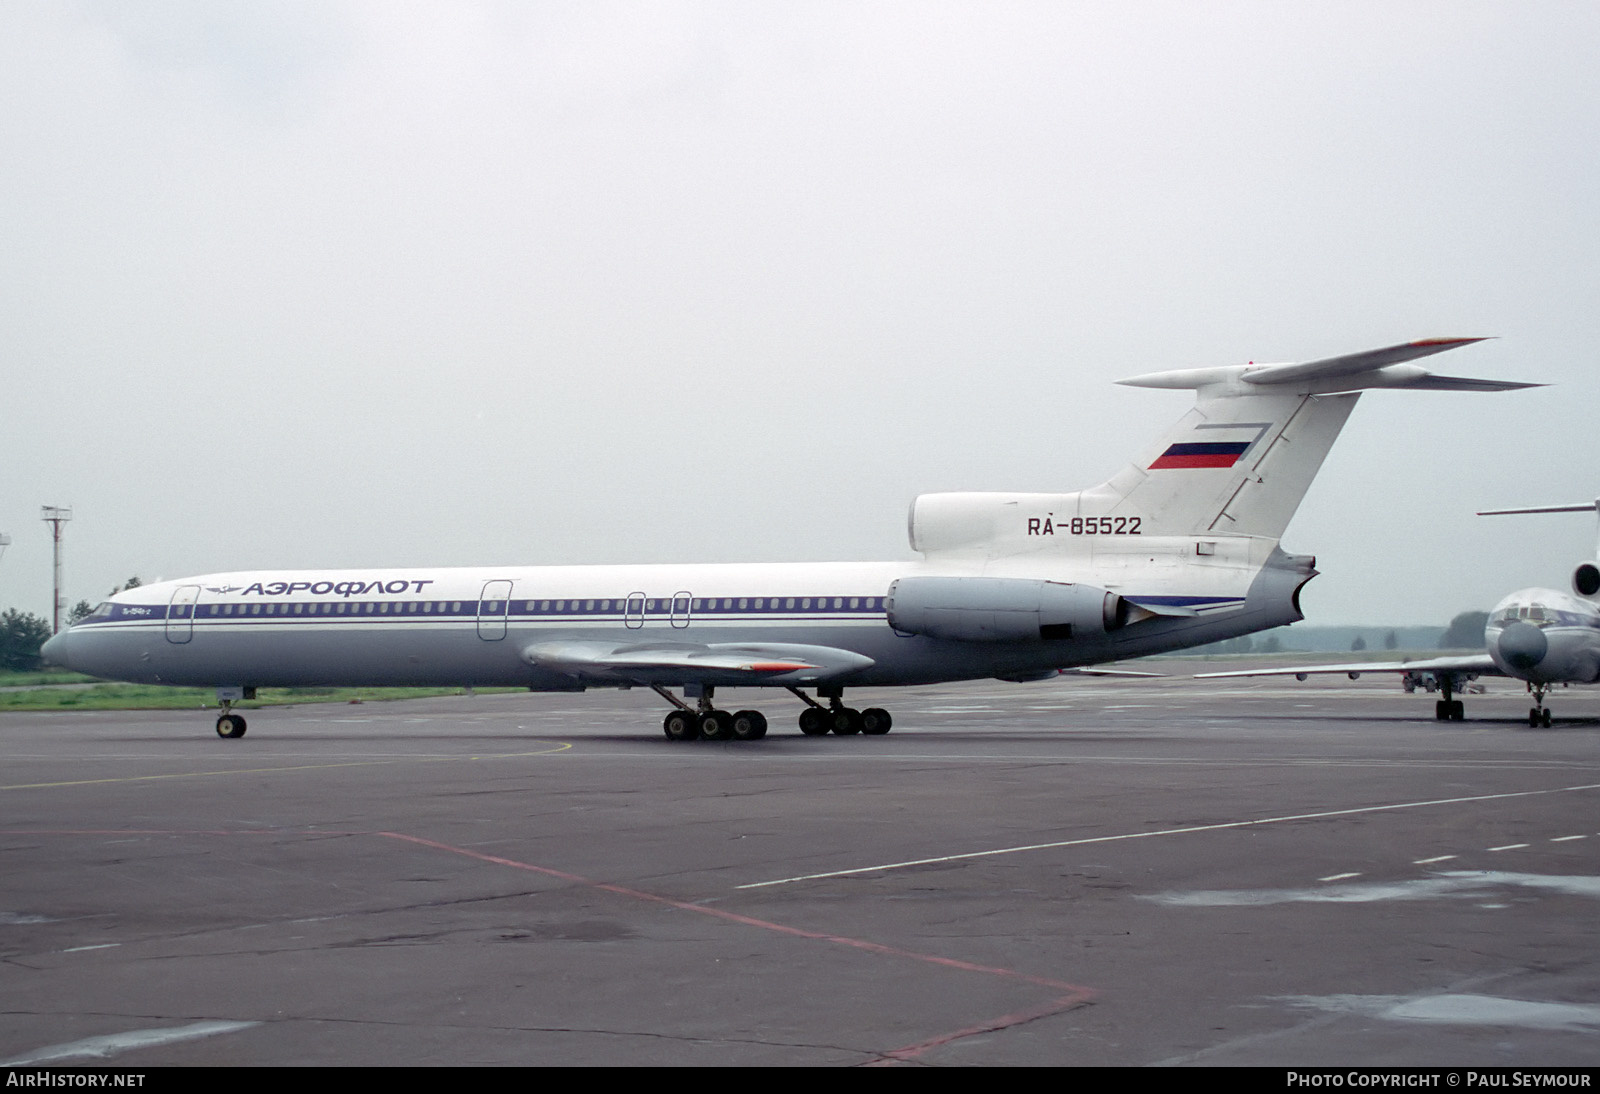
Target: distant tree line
[[1465, 632], [1245, 644], [23, 633]]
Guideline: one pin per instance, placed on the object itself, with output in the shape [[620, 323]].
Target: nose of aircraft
[[1522, 646], [54, 650]]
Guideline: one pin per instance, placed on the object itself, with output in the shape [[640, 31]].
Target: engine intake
[[1002, 609], [1586, 579]]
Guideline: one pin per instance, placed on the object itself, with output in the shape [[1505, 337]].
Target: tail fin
[[1237, 464], [1242, 459]]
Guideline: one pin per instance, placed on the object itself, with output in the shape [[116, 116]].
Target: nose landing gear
[[1448, 709], [229, 725], [1538, 714]]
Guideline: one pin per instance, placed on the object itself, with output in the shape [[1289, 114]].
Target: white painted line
[[1338, 877], [1165, 832], [1509, 847], [1564, 839], [1435, 858], [110, 1045], [102, 946]]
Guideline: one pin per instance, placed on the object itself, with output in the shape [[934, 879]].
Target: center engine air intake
[[1002, 609], [1586, 579]]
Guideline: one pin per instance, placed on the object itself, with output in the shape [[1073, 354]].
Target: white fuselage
[[457, 626]]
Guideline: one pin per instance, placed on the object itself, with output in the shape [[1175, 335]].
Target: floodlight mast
[[55, 516]]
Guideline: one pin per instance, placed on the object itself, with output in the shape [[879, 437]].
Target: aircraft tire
[[716, 725], [846, 721], [1544, 718], [749, 725], [875, 721], [230, 727], [680, 725], [813, 722]]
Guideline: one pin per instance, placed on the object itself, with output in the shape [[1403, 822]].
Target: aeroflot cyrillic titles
[[359, 587], [1180, 548]]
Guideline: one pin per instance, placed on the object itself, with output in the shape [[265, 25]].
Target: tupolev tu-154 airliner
[[1178, 549], [1542, 637]]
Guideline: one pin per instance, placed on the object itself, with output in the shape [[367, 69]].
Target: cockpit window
[[101, 611]]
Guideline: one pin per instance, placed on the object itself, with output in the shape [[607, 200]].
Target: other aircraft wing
[[728, 663], [1091, 670], [1480, 664]]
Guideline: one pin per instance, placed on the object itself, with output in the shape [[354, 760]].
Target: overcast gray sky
[[360, 284]]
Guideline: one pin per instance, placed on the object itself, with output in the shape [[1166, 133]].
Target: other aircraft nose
[[1523, 645]]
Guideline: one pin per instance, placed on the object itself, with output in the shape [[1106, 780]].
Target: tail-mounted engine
[[1586, 579], [1002, 609]]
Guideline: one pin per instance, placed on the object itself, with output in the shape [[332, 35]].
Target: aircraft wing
[[729, 663], [1480, 664]]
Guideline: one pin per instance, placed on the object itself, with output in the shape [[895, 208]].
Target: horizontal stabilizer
[[689, 662], [1576, 507], [1427, 381], [1373, 368], [1350, 364]]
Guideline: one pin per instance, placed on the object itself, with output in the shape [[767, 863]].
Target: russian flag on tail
[[1201, 454]]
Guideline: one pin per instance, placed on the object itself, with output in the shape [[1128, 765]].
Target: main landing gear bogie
[[842, 721], [711, 724], [847, 721], [707, 723]]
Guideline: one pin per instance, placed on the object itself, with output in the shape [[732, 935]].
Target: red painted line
[[1077, 993], [1021, 1017], [174, 832]]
